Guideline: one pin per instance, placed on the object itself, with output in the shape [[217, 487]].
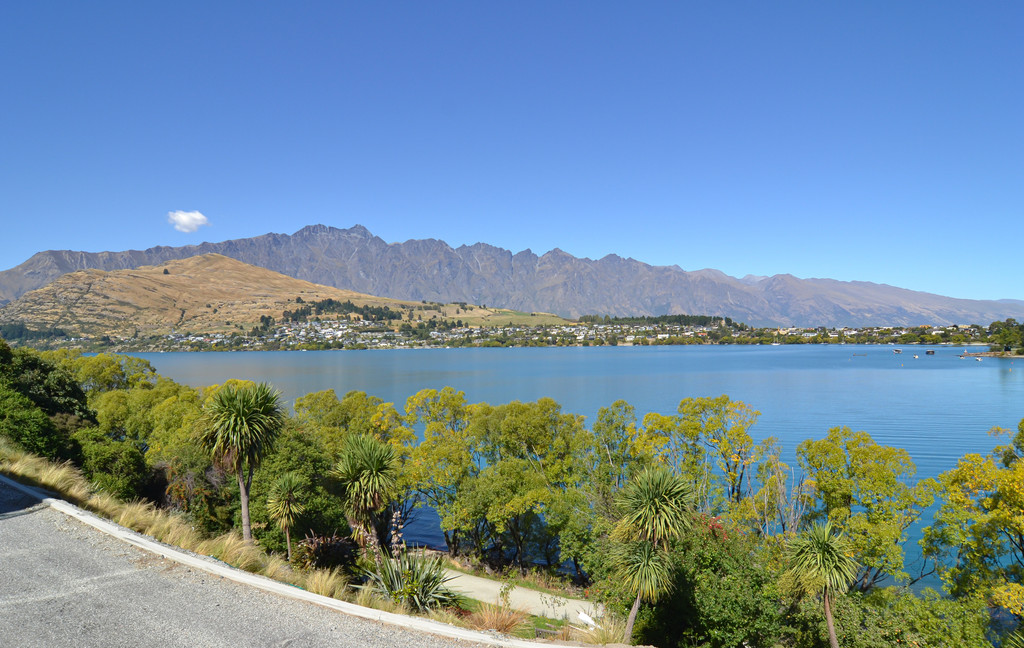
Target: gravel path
[[63, 583]]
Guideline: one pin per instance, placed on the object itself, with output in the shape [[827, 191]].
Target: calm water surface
[[937, 407]]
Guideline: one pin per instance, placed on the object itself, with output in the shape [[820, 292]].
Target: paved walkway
[[521, 598]]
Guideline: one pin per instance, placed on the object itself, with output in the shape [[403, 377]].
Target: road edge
[[218, 568]]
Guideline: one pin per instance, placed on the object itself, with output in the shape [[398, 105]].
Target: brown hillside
[[201, 294]]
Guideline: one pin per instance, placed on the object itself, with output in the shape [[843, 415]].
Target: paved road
[[63, 583]]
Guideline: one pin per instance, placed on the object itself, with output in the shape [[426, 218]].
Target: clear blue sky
[[873, 141]]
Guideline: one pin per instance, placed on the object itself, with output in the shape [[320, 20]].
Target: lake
[[938, 407]]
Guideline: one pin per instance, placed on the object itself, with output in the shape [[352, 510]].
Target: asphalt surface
[[63, 583]]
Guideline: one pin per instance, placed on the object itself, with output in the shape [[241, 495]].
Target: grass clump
[[500, 618], [327, 582], [609, 630]]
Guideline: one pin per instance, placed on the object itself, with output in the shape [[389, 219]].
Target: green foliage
[[354, 415], [656, 507], [52, 388], [326, 552], [656, 510], [723, 594], [368, 475], [442, 463], [821, 561], [242, 424], [104, 371], [284, 504], [300, 452], [977, 535], [892, 616], [415, 581], [116, 467], [23, 422], [867, 491]]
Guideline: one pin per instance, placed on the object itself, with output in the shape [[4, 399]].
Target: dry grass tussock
[[609, 630], [496, 617], [62, 478], [232, 549], [367, 597], [327, 582], [444, 615]]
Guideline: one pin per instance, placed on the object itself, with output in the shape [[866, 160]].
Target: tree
[[867, 491], [821, 562], [657, 508], [27, 425], [368, 473], [284, 505], [441, 464], [978, 535], [242, 424]]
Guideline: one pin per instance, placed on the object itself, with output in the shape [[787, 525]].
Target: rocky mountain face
[[556, 282]]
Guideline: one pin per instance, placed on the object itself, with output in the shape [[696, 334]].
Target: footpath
[[522, 598]]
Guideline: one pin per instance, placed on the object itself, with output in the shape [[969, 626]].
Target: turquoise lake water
[[938, 407]]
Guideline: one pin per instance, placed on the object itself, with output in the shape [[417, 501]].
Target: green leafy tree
[[368, 474], [23, 422], [300, 451], [355, 414], [115, 466], [536, 454], [52, 388], [894, 616], [867, 491], [821, 562], [977, 538], [242, 424], [724, 593], [709, 443], [285, 504], [442, 462], [104, 371], [656, 509]]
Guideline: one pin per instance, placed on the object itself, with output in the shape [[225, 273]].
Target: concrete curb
[[217, 568]]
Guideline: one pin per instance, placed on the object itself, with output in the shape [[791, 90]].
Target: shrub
[[415, 581], [326, 552], [27, 425]]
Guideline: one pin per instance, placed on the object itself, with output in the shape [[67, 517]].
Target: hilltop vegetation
[[527, 486]]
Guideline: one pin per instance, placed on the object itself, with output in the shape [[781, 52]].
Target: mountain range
[[556, 282]]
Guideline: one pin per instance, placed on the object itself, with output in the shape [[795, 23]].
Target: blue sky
[[867, 141]]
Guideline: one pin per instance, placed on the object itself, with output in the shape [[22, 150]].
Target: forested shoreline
[[718, 525]]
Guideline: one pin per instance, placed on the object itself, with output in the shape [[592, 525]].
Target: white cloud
[[184, 221]]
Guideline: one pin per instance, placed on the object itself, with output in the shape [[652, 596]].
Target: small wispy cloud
[[187, 221]]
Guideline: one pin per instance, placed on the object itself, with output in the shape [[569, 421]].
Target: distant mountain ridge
[[557, 282]]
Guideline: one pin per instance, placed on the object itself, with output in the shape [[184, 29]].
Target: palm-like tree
[[284, 505], [657, 508], [368, 473], [821, 562], [242, 424]]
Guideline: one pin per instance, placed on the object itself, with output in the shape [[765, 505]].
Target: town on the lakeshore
[[355, 333]]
